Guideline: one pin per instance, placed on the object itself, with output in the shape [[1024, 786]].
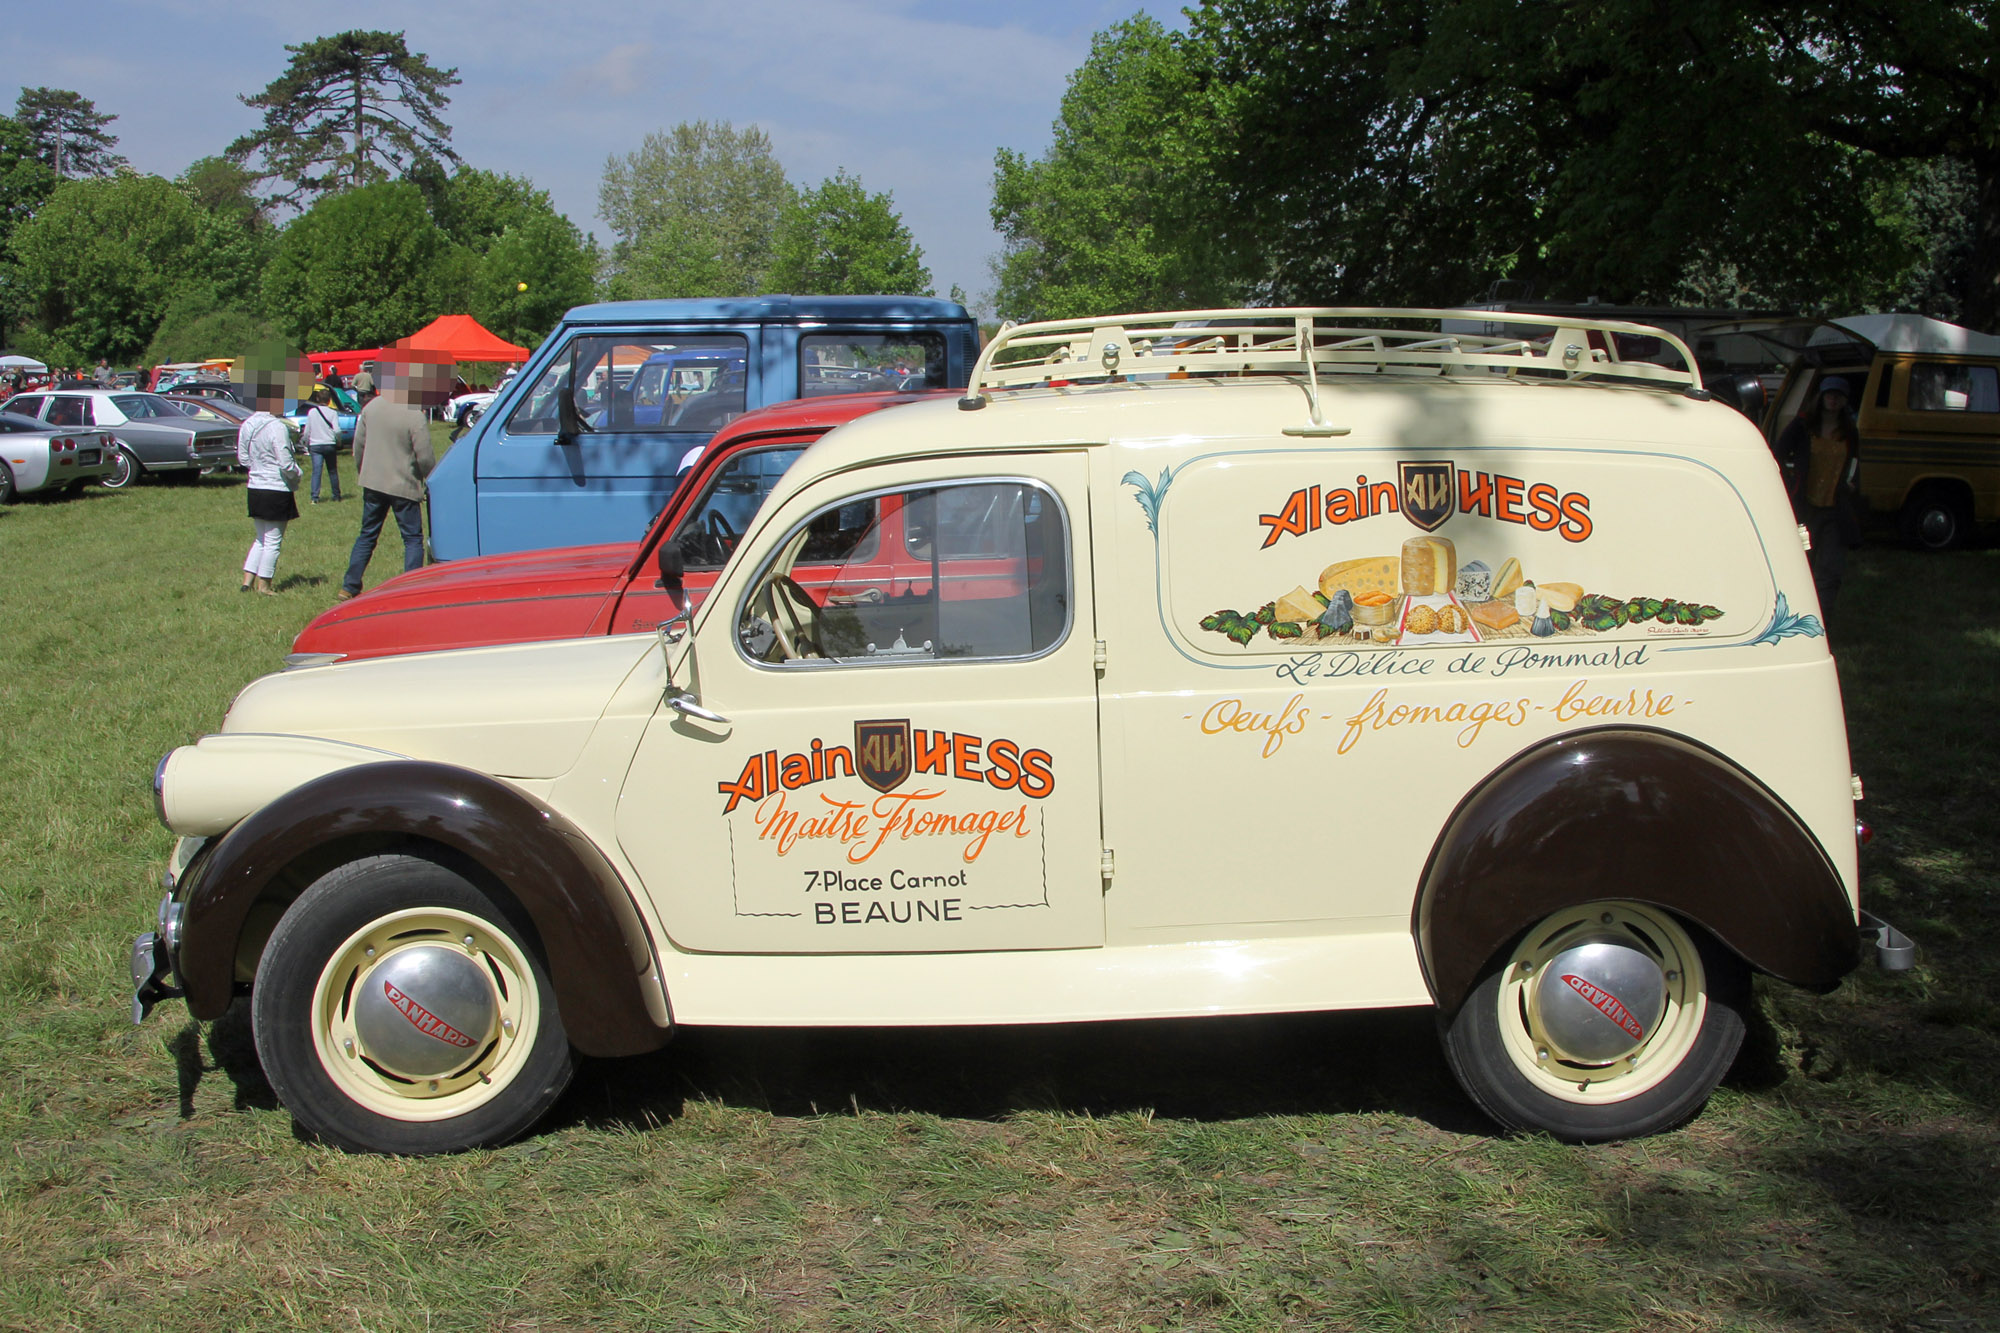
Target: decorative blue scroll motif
[[1784, 624], [1151, 493]]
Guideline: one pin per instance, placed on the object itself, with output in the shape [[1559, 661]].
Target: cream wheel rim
[[1665, 1045], [486, 1070]]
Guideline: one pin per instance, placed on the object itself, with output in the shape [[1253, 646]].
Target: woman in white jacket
[[264, 446]]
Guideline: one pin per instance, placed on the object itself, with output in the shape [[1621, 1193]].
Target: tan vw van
[[1214, 662], [1927, 404]]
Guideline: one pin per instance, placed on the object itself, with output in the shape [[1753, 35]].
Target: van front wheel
[[1609, 1020], [398, 1009]]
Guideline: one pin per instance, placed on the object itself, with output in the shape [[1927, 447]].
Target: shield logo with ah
[[882, 753], [1425, 488]]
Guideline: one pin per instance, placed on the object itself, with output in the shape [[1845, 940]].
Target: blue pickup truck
[[585, 444]]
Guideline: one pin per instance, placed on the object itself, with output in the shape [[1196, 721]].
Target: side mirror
[[569, 422], [673, 565]]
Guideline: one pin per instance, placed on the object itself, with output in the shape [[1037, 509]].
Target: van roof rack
[[1182, 343]]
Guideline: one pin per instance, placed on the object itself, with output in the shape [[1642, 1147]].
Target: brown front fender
[[1627, 813], [594, 944]]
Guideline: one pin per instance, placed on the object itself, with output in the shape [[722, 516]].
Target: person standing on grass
[[1820, 455], [392, 456], [323, 441], [264, 447]]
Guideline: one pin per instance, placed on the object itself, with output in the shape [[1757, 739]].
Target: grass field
[[1298, 1173]]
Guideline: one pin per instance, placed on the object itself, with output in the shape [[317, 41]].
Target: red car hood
[[526, 595]]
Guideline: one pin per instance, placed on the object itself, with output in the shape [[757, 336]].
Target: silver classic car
[[150, 433], [38, 457]]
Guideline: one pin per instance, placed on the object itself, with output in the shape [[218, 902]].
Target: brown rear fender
[[1632, 814], [595, 946]]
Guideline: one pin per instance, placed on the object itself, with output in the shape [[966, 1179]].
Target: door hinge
[[1097, 657], [1107, 866]]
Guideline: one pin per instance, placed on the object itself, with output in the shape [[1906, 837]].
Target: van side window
[[835, 363], [1937, 386], [974, 570], [677, 382]]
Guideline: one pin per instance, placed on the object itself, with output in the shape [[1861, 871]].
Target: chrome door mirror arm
[[685, 702]]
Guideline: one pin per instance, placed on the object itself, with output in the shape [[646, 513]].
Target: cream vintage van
[[1207, 663]]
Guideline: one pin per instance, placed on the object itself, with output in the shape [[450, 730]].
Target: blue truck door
[[645, 398]]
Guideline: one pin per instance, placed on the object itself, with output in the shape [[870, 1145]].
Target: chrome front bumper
[[153, 962], [150, 969]]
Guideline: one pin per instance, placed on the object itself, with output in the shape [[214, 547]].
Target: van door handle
[[689, 706]]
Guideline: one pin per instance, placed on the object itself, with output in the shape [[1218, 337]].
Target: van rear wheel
[[1936, 518], [1609, 1020]]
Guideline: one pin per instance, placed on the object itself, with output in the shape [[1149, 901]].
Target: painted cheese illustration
[[1298, 606], [1562, 596], [1429, 565], [1475, 581], [1375, 573]]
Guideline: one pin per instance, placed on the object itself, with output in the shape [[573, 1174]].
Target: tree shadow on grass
[[1208, 1069], [1883, 1228]]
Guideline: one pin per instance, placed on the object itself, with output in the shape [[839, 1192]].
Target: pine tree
[[68, 132], [349, 109]]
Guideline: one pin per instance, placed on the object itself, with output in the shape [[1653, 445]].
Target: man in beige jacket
[[392, 456]]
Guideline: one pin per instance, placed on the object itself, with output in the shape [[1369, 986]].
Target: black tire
[[125, 470], [1936, 518], [8, 492], [316, 982], [1507, 1066]]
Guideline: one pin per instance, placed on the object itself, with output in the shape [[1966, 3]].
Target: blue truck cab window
[[646, 383]]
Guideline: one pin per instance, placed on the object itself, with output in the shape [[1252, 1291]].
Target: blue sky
[[913, 97]]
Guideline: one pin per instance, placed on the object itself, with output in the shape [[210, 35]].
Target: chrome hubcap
[[1598, 1000], [426, 1011], [1602, 1001]]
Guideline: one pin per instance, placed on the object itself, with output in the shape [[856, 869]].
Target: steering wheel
[[800, 626], [718, 528]]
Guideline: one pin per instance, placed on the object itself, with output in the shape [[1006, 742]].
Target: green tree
[[358, 269], [222, 187], [68, 132], [1117, 213], [214, 310], [1413, 152], [349, 109], [695, 211], [841, 240], [100, 261], [1908, 84], [533, 272], [474, 206], [189, 332], [25, 184]]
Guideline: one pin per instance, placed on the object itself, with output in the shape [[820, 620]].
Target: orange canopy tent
[[463, 338]]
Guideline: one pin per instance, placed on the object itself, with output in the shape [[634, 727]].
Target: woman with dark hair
[[264, 447], [1820, 452]]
